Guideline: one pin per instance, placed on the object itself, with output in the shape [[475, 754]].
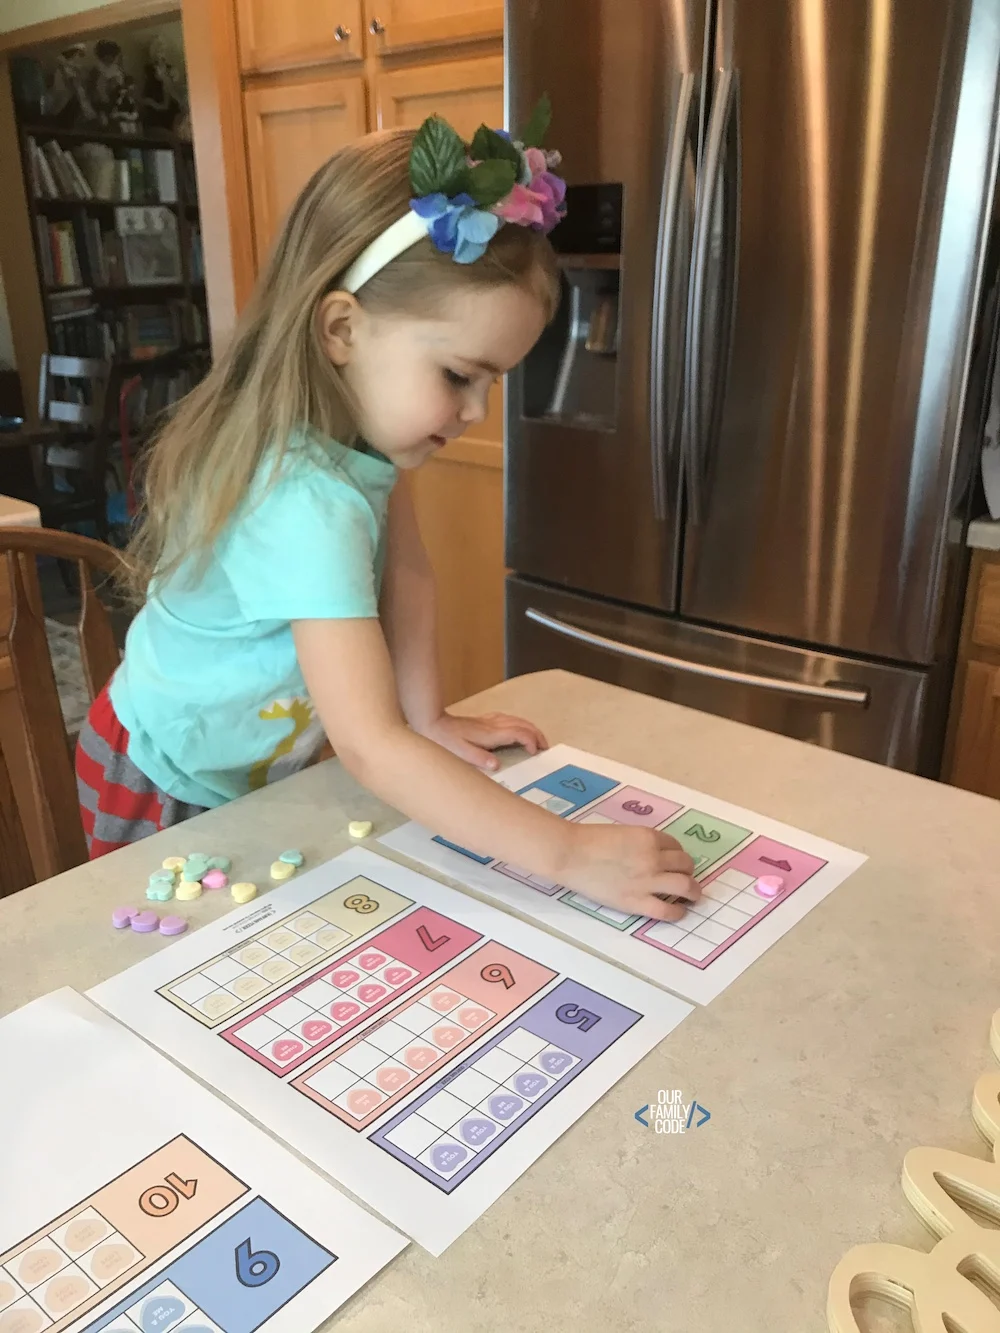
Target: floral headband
[[464, 192]]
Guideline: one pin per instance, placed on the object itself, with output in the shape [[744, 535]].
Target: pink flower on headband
[[539, 204], [522, 206]]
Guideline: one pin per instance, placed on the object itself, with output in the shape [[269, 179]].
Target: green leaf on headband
[[487, 146], [491, 181], [458, 183], [538, 125], [437, 155]]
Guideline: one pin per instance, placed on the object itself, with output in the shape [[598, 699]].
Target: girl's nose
[[474, 409]]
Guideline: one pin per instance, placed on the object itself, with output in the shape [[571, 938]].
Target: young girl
[[288, 596]]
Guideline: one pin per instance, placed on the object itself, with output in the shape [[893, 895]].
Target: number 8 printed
[[360, 902]]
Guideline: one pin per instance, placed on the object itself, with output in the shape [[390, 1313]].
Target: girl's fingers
[[675, 885], [654, 906]]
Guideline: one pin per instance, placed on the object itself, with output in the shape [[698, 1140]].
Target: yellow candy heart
[[281, 870], [187, 889], [244, 892]]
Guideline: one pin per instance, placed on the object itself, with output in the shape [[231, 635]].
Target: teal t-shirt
[[210, 688]]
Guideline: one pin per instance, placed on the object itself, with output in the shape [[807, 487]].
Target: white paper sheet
[[721, 936], [134, 1201], [338, 1019]]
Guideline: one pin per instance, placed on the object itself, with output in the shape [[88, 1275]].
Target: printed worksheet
[[133, 1201], [758, 877], [420, 1046]]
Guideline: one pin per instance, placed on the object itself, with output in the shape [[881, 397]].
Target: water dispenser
[[571, 376]]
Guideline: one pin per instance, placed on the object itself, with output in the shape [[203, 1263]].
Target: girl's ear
[[338, 316]]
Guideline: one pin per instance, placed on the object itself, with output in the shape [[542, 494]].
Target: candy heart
[[446, 1156], [477, 1131], [344, 1010], [315, 1029], [395, 976], [286, 1049], [471, 1017], [505, 1106], [370, 992], [554, 1062], [420, 1057], [391, 1078], [161, 1312], [345, 978], [447, 1037], [530, 1085], [443, 1000], [371, 962], [362, 1100]]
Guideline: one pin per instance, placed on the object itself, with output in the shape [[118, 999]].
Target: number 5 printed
[[255, 1267], [577, 1017]]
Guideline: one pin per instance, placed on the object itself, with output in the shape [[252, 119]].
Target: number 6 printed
[[255, 1267]]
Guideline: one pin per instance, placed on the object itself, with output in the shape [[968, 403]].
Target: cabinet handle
[[341, 34], [376, 27]]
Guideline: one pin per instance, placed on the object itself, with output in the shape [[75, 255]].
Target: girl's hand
[[471, 738], [631, 869]]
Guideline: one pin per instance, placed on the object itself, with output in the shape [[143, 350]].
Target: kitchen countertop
[[859, 1035]]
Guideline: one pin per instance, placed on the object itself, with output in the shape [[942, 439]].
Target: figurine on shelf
[[106, 78], [66, 98], [163, 95], [124, 113]]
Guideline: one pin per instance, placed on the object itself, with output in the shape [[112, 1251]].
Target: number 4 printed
[[255, 1267]]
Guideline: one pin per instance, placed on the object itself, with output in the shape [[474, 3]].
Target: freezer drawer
[[866, 709]]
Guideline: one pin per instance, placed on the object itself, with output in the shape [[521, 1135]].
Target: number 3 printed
[[577, 1017], [255, 1267]]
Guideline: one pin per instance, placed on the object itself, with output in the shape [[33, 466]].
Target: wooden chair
[[76, 411], [50, 760]]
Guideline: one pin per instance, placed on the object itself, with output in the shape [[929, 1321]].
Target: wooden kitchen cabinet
[[399, 25], [288, 34], [291, 130], [974, 759], [467, 93]]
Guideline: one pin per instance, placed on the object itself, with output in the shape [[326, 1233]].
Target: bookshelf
[[117, 244]]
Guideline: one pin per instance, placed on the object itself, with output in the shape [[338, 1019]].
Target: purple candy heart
[[173, 925], [144, 922], [530, 1085], [505, 1106], [477, 1131], [446, 1156], [554, 1062], [121, 917]]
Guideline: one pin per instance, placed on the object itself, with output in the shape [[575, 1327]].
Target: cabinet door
[[288, 34], [394, 25], [976, 764], [458, 494], [292, 130], [458, 498]]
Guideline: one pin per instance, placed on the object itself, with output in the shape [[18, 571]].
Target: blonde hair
[[273, 378]]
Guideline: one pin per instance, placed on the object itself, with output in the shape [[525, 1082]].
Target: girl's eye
[[457, 380]]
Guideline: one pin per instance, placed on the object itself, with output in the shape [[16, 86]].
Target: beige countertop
[[856, 1037]]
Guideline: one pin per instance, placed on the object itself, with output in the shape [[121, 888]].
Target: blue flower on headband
[[458, 226]]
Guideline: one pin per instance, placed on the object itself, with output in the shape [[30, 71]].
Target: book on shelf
[[166, 175]]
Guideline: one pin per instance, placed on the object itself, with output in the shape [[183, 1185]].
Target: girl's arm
[[349, 675], [408, 610]]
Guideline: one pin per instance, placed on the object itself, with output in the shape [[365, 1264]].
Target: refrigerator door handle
[[663, 416], [715, 141], [831, 694]]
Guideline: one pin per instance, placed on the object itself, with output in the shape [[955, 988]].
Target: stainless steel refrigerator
[[737, 461]]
